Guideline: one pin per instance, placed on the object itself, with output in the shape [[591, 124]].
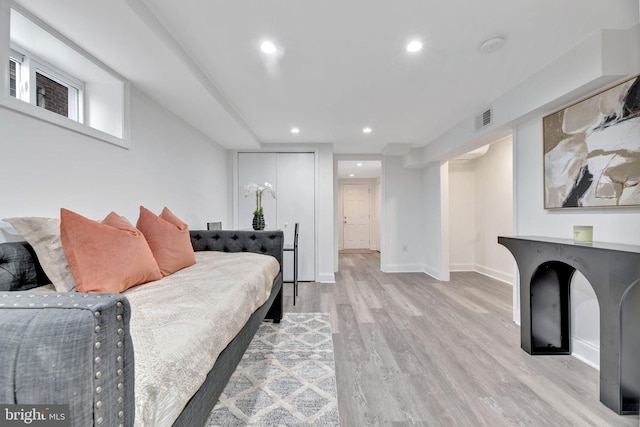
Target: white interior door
[[356, 216]]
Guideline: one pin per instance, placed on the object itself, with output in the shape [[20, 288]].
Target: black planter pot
[[258, 222]]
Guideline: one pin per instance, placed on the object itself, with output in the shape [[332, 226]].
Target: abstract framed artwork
[[592, 151]]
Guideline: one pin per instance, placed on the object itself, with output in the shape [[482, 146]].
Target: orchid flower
[[253, 187]]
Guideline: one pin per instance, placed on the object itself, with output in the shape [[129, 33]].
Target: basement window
[[52, 79], [14, 69], [34, 81]]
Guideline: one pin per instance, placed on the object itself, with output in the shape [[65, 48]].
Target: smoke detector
[[492, 44]]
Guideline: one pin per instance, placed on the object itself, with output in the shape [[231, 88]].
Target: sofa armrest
[[268, 242], [68, 348]]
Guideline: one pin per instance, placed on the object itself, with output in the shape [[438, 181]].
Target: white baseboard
[[462, 267], [495, 274], [487, 271], [431, 271], [326, 278], [403, 268], [585, 352]]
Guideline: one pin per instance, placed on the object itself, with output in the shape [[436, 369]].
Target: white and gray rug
[[286, 377]]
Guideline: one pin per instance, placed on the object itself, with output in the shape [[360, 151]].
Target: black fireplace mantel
[[546, 266]]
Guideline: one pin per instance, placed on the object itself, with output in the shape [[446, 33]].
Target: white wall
[[45, 167], [481, 208], [402, 220], [494, 210], [434, 218], [325, 211], [462, 216]]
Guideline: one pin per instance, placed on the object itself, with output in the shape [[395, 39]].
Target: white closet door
[[296, 203], [293, 176], [258, 168]]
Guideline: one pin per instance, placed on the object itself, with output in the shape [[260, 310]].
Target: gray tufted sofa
[[73, 348]]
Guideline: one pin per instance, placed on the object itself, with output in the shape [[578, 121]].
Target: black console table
[[546, 266]]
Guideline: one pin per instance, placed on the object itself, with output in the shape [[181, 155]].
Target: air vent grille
[[484, 119]]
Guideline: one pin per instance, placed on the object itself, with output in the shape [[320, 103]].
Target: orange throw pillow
[[111, 256], [168, 238]]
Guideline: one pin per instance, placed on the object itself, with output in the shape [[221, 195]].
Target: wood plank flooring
[[414, 351]]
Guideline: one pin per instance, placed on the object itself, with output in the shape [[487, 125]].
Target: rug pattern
[[285, 378]]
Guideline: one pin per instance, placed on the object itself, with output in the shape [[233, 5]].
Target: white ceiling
[[359, 169], [341, 64]]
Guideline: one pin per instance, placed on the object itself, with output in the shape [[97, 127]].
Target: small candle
[[583, 234]]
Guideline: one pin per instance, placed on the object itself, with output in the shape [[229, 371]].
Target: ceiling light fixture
[[414, 46], [268, 47], [351, 175], [358, 164], [366, 130], [295, 130]]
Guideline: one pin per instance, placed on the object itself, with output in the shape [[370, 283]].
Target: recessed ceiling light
[[414, 46], [358, 164], [268, 47], [351, 175], [366, 130], [295, 130]]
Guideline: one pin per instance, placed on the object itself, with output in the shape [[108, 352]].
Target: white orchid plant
[[255, 188]]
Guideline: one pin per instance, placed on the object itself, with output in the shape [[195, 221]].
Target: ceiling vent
[[484, 119]]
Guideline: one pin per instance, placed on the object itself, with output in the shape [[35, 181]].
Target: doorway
[[358, 205], [356, 219], [481, 208]]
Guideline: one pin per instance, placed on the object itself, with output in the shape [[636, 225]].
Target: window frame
[[16, 58], [31, 65], [105, 92]]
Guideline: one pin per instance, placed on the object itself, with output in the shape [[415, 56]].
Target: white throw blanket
[[181, 323]]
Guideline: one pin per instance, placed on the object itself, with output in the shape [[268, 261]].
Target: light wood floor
[[414, 351]]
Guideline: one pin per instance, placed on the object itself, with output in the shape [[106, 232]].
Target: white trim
[[5, 51], [485, 271], [403, 268], [326, 278], [516, 295], [316, 217], [585, 352], [462, 267], [495, 274], [431, 271], [25, 108], [445, 234], [515, 227]]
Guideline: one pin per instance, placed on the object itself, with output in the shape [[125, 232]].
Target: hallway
[[414, 351]]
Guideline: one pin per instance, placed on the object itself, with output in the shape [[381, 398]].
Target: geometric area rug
[[285, 378]]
